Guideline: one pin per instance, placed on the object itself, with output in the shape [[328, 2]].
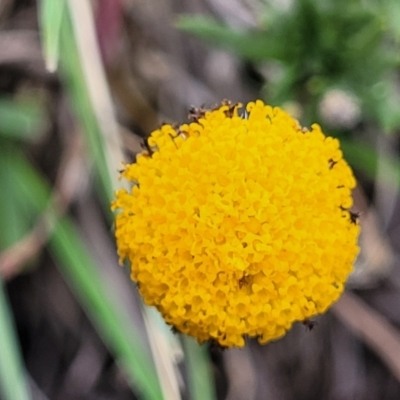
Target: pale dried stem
[[372, 328], [68, 183]]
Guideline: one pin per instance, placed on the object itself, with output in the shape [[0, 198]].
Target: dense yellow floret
[[238, 224]]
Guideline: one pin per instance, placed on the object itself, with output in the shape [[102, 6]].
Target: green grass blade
[[13, 385], [50, 19], [20, 120], [78, 92], [255, 45], [10, 216], [199, 371], [79, 269]]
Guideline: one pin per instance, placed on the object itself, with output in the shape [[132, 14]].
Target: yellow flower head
[[238, 224]]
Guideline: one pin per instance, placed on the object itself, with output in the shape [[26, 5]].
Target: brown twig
[[68, 181]]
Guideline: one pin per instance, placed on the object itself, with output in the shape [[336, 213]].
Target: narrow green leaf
[[80, 270], [20, 120], [13, 385], [255, 45], [384, 103], [50, 19], [392, 16], [77, 90], [10, 214], [201, 384]]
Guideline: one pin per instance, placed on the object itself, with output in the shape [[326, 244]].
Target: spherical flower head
[[238, 224]]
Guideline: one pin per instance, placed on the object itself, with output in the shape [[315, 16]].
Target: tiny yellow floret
[[238, 224]]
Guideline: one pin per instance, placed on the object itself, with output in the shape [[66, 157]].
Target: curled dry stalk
[[68, 183]]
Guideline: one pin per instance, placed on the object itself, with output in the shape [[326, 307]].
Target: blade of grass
[[79, 269], [90, 100], [13, 385], [50, 18], [199, 371], [16, 222], [75, 83], [255, 45], [86, 81], [20, 120]]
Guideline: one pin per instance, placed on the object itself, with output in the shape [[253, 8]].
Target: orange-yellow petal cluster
[[238, 224]]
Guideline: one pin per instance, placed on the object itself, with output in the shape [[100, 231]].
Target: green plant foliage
[[79, 269], [317, 45], [50, 19], [199, 370], [77, 90], [255, 45], [20, 120]]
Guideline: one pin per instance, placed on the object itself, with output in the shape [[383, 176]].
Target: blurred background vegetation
[[81, 84]]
